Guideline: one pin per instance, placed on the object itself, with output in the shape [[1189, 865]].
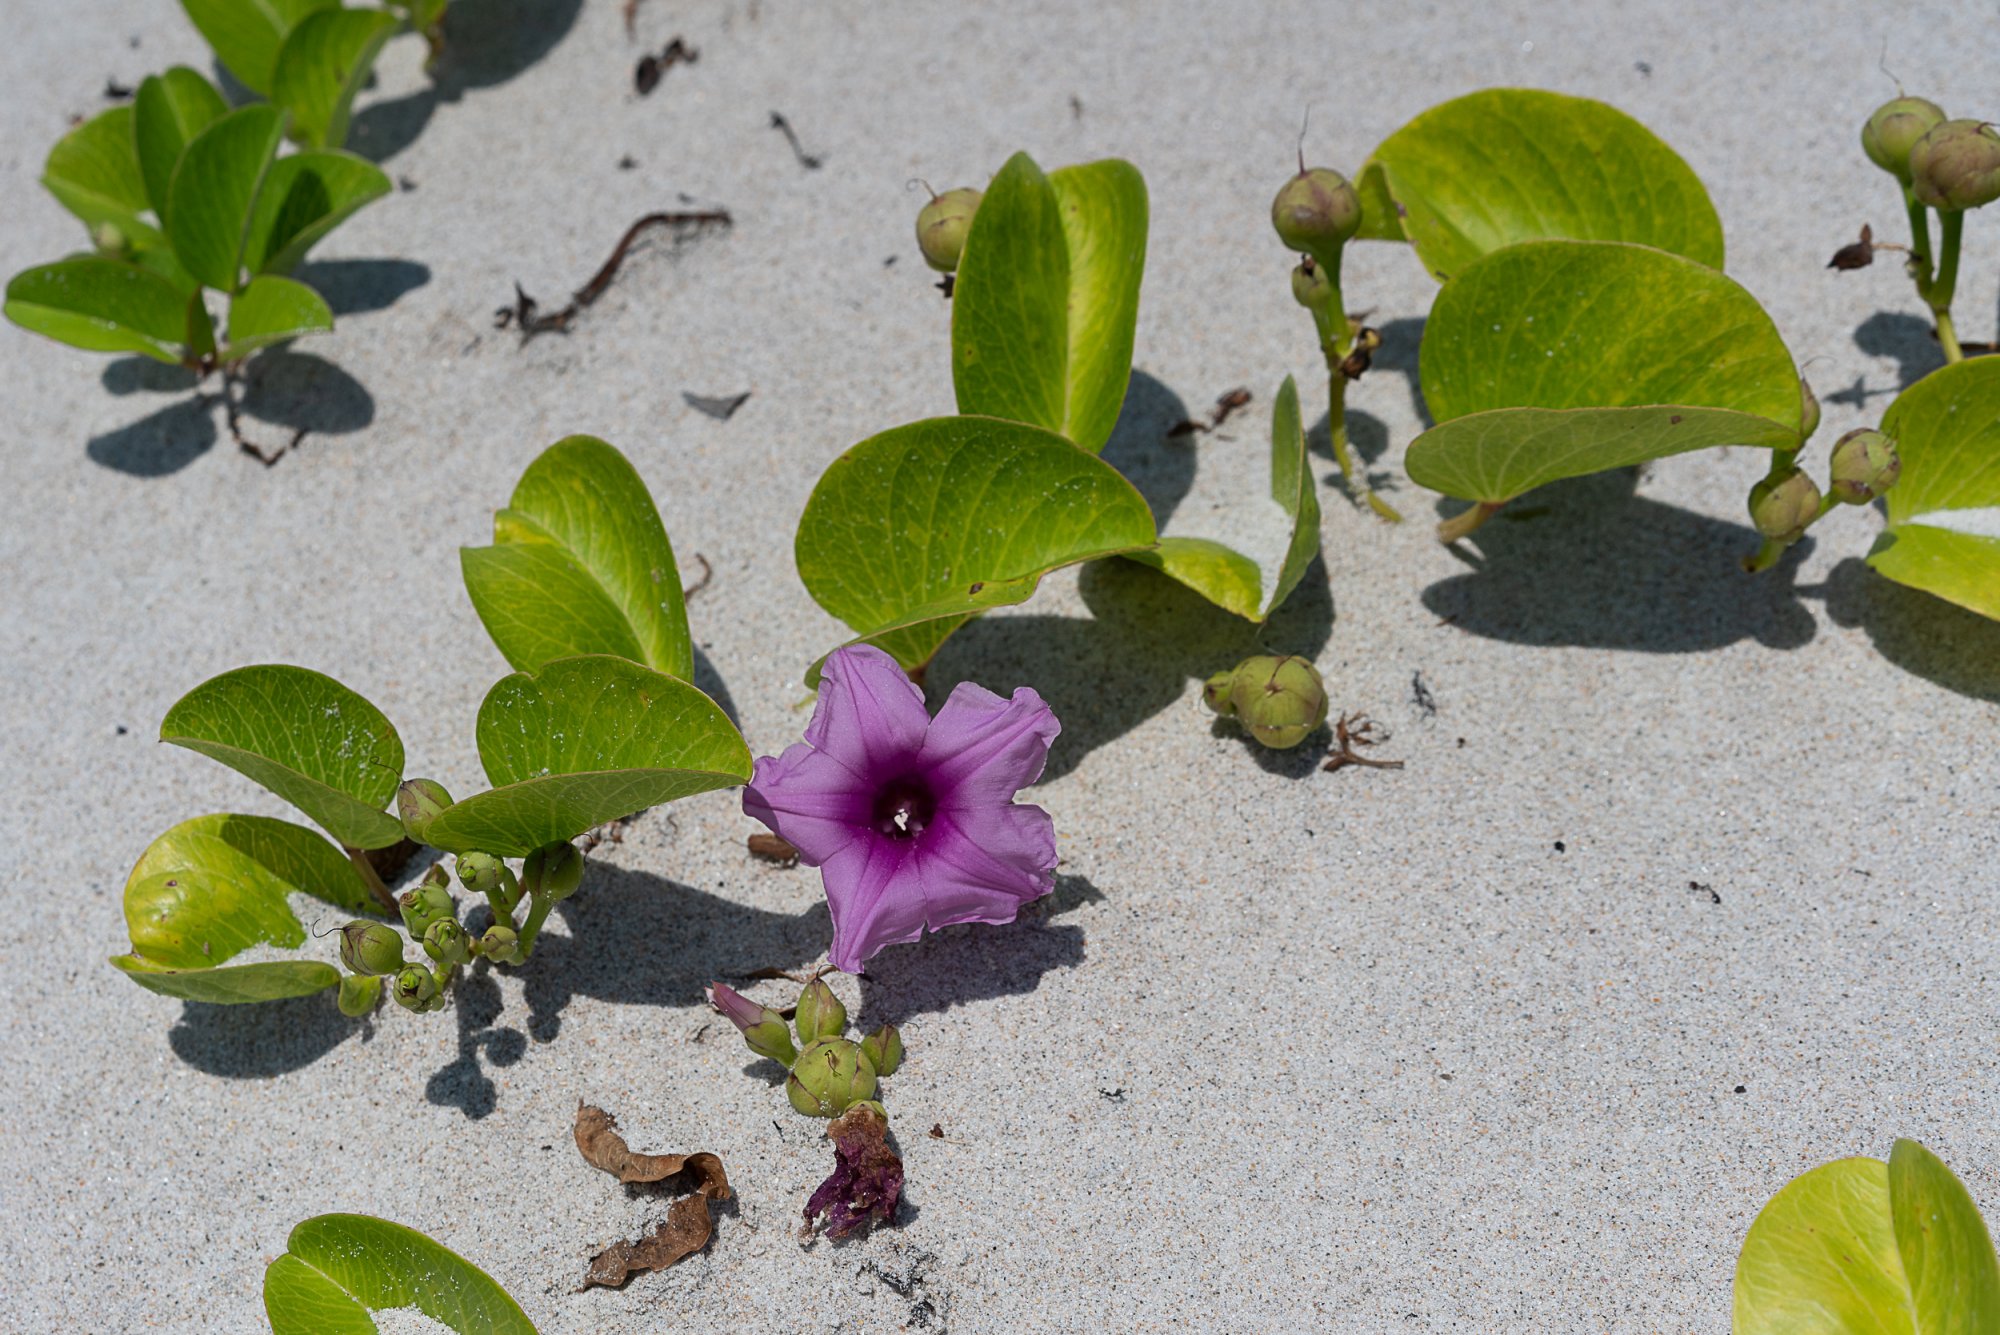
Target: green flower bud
[[1956, 166], [1280, 700], [820, 1013], [1865, 464], [942, 226], [358, 995], [558, 868], [446, 942], [419, 802], [479, 872], [1893, 131], [1310, 285], [424, 904], [110, 240], [884, 1049], [416, 988], [1783, 506], [501, 944], [829, 1077], [371, 948], [1808, 410], [1315, 213]]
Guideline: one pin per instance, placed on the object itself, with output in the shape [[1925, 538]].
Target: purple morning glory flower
[[911, 819]]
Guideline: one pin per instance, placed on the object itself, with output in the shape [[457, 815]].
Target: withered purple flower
[[911, 819], [867, 1178]]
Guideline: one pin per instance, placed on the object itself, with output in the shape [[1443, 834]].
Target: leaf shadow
[[260, 1041], [709, 682], [1146, 637], [354, 287], [1160, 466], [489, 42], [1920, 633], [1906, 338], [972, 962], [1401, 340], [298, 390], [162, 442], [1590, 564], [634, 939]]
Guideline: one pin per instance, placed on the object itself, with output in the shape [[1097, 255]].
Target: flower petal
[[870, 716], [983, 865], [809, 798], [875, 896], [981, 749]]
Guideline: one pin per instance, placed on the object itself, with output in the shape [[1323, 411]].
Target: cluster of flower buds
[[1948, 165], [1785, 503], [830, 1072], [374, 952], [1279, 700]]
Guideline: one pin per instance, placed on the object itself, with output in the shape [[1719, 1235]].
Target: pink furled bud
[[763, 1029]]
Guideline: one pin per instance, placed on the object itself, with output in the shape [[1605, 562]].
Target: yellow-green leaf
[[1944, 511]]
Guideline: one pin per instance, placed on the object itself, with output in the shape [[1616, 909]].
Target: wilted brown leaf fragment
[[688, 1225]]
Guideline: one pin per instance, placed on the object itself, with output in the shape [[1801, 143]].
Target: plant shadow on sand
[[282, 392]]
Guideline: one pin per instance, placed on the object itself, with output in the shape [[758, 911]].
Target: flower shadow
[[1587, 563], [976, 962], [1133, 657]]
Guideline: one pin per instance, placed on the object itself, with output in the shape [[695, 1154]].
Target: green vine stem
[[1336, 341], [1943, 287], [1466, 523]]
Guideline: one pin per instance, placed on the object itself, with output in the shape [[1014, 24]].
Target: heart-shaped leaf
[[1554, 359], [911, 532], [1047, 297], [1948, 1257], [340, 1267], [304, 736], [1506, 165], [321, 66], [1944, 511], [213, 886], [214, 189], [580, 564], [305, 196], [270, 310], [584, 741], [1859, 1245], [169, 110], [247, 34], [102, 305], [1821, 1256], [94, 172]]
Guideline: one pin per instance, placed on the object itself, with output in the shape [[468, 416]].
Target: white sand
[[1291, 1050]]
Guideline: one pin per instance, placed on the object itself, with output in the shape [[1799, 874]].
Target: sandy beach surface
[[1688, 883]]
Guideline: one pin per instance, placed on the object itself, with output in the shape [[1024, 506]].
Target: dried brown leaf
[[685, 1231], [597, 1139], [772, 848]]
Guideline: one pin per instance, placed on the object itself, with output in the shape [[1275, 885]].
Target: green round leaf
[[232, 984], [321, 66], [584, 741], [305, 196], [1948, 1259], [340, 1267], [1555, 359], [304, 736], [1506, 165], [911, 532], [214, 187], [1821, 1257], [94, 171], [101, 305], [1047, 297], [1944, 511], [246, 34], [168, 111], [580, 564], [270, 310]]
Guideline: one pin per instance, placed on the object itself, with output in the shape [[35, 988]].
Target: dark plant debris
[[115, 91], [1856, 254], [1357, 362], [688, 1225], [1351, 734], [627, 163], [707, 577], [810, 161], [771, 848], [611, 832], [1225, 406], [526, 315], [1421, 696], [654, 68], [632, 20], [1115, 1095], [721, 407], [1704, 888], [937, 1130], [946, 284], [867, 1179]]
